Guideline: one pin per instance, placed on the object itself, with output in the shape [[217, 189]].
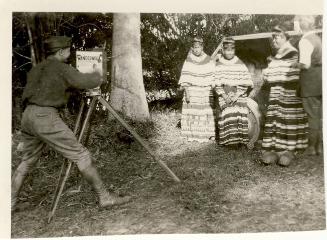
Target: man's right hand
[[97, 69]]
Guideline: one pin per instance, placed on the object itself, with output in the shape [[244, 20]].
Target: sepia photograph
[[156, 122]]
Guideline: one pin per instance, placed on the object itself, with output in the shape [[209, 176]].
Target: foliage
[[88, 30], [165, 40]]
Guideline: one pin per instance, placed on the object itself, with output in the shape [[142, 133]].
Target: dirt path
[[222, 191], [248, 198]]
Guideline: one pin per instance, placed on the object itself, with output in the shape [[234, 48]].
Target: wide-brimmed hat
[[55, 43]]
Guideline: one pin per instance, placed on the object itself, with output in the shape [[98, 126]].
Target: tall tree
[[127, 88]]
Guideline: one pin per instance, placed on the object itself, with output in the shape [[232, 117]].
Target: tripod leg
[[63, 181], [65, 162], [79, 116], [57, 198], [138, 138], [59, 182], [88, 115]]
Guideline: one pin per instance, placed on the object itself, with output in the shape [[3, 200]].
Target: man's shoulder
[[59, 67], [38, 67], [45, 63], [50, 67], [311, 36], [311, 39]]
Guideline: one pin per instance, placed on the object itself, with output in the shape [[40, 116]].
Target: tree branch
[[22, 66], [170, 25], [33, 57], [82, 25], [28, 58]]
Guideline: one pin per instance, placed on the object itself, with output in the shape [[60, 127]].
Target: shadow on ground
[[222, 190]]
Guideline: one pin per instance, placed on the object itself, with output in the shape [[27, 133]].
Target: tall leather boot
[[17, 182], [313, 137], [106, 199]]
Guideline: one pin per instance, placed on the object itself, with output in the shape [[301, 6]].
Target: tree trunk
[[30, 26], [35, 32], [127, 88]]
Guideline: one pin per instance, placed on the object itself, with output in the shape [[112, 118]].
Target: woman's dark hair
[[281, 30]]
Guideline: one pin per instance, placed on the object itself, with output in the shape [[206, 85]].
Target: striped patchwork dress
[[232, 77], [197, 121], [286, 122]]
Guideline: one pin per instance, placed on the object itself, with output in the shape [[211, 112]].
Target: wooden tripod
[[68, 164]]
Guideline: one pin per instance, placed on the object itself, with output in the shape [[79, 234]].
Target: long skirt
[[286, 123], [233, 124], [198, 121]]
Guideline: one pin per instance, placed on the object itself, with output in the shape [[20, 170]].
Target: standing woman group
[[294, 113], [231, 80]]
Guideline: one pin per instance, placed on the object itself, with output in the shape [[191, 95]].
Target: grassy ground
[[222, 190]]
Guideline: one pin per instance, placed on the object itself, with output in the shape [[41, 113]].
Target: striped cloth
[[232, 77], [198, 121], [286, 122]]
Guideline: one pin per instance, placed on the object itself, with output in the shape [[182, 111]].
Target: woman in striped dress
[[232, 82], [196, 80], [286, 126]]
